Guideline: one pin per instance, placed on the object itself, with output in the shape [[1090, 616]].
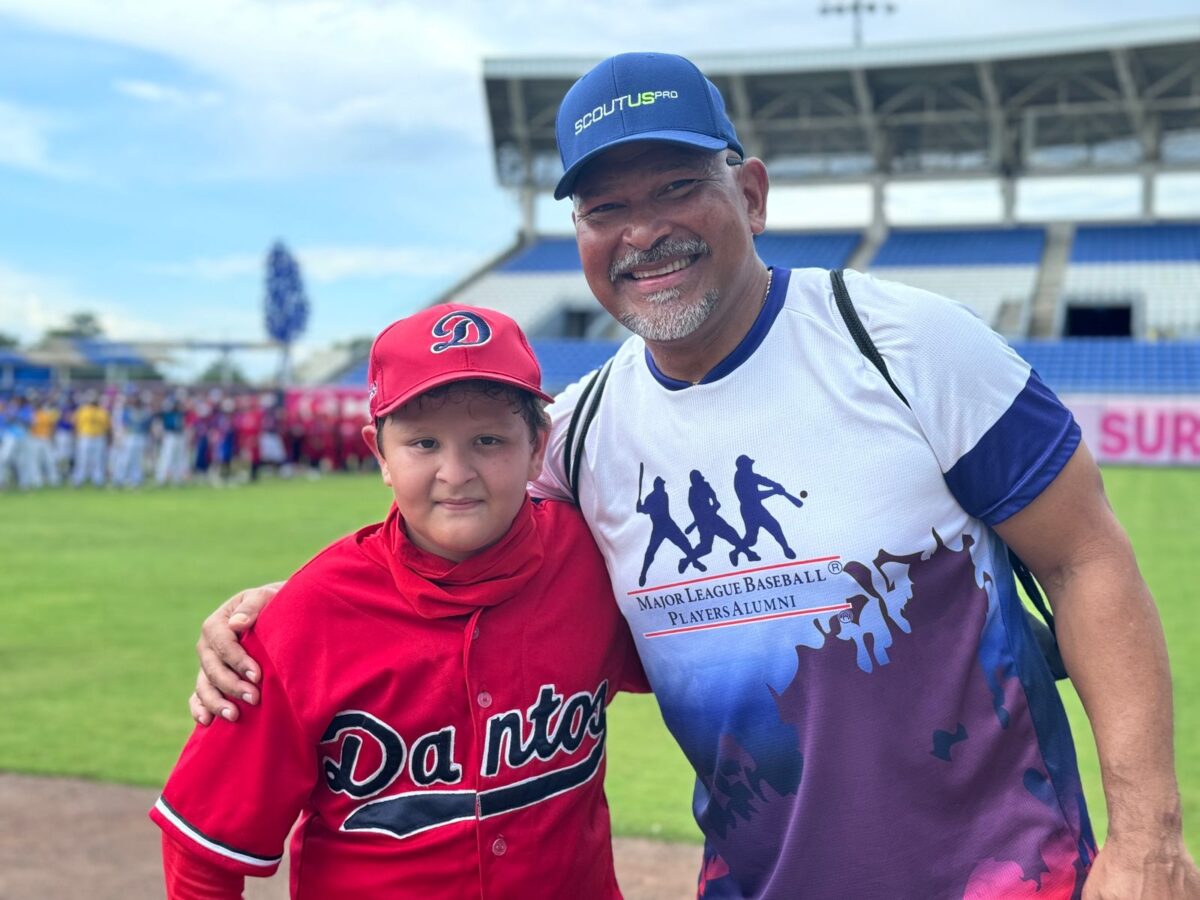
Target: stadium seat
[[1155, 269], [985, 268]]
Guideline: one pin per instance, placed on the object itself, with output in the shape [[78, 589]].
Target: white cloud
[[303, 82], [327, 264], [25, 142], [211, 268], [31, 303], [153, 92]]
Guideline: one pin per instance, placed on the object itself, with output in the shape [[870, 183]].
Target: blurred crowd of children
[[172, 435]]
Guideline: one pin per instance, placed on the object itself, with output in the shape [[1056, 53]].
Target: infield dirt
[[68, 839]]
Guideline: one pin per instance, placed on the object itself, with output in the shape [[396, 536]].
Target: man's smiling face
[[665, 235]]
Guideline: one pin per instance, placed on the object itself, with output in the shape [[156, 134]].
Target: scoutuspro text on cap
[[639, 97]]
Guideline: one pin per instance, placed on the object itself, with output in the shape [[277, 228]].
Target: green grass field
[[104, 593]]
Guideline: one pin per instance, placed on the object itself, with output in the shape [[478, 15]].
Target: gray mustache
[[657, 253]]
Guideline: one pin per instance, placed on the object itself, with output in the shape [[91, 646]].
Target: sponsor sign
[[1145, 431]]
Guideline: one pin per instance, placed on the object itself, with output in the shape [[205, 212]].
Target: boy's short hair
[[528, 406]]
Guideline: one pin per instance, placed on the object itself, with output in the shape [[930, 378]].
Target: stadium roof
[[1114, 99]]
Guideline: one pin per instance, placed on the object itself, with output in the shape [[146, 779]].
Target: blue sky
[[150, 152]]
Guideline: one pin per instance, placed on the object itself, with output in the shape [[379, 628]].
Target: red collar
[[437, 587]]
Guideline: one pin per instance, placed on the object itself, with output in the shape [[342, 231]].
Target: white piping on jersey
[[188, 831]]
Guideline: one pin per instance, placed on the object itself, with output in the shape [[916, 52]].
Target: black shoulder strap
[[1045, 635], [857, 331], [581, 421]]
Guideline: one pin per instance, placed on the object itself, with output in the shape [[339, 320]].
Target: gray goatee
[[670, 316]]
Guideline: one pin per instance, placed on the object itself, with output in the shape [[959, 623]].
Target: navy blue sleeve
[[1018, 457]]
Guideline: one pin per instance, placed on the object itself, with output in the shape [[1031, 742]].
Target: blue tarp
[[97, 352]]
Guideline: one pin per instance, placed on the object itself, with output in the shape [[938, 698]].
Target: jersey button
[[475, 633], [499, 846], [485, 699]]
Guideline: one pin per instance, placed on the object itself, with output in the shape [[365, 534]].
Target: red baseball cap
[[447, 343]]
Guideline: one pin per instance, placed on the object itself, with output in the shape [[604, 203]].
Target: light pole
[[857, 8]]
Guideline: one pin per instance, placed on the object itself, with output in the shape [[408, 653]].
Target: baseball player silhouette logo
[[746, 484], [709, 524], [663, 528], [752, 491], [462, 328]]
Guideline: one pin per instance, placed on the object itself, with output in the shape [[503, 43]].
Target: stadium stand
[[1115, 365], [565, 361], [795, 250], [540, 285], [1152, 270], [985, 268], [547, 254]]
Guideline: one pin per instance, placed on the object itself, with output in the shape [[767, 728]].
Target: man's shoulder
[[894, 314], [814, 284]]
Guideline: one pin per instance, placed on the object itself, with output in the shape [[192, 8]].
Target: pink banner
[[339, 402], [1144, 431]]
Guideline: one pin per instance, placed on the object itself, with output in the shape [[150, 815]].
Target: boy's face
[[457, 467]]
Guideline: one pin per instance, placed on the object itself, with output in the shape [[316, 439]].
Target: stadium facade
[[1108, 311]]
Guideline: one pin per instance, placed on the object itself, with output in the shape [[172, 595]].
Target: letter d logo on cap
[[464, 329]]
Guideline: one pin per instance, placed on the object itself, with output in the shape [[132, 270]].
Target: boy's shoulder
[[559, 518], [318, 588], [570, 539]]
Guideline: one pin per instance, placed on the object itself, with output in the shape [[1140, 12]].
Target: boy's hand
[[226, 670]]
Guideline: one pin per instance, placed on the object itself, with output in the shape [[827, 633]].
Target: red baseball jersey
[[437, 728]]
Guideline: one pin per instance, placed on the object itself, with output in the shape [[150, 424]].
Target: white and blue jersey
[[827, 619]]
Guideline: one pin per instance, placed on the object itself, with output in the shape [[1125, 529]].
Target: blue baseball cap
[[639, 97]]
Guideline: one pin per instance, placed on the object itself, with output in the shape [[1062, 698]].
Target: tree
[[356, 346], [79, 325], [222, 370], [7, 341], [286, 303]]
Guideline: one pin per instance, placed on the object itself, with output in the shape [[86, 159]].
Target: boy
[[434, 685]]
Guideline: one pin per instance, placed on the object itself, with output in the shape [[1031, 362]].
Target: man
[[41, 433], [137, 419], [663, 528], [16, 444], [871, 718], [171, 463], [92, 425]]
